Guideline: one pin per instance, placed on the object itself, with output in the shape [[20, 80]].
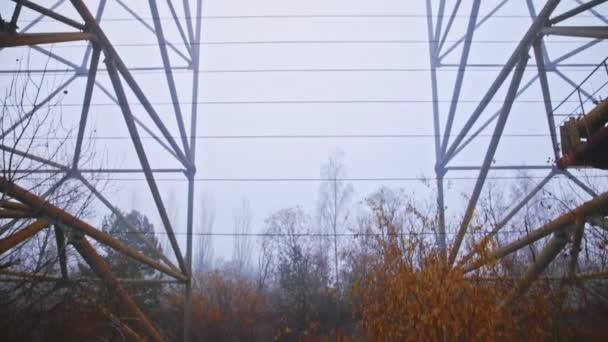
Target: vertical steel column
[[188, 285], [60, 241], [439, 170], [195, 53], [576, 247]]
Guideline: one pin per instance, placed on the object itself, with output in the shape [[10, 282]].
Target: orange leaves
[[226, 306], [411, 296]]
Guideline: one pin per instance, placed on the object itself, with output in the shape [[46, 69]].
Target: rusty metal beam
[[110, 316], [14, 214], [546, 256], [21, 235], [592, 276], [37, 276], [594, 120], [55, 214], [26, 39], [13, 205], [591, 152], [139, 233], [99, 266], [16, 275], [598, 205]]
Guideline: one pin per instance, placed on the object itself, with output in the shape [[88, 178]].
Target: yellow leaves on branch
[[406, 296]]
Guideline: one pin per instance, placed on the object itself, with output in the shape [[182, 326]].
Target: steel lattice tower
[[535, 56], [176, 38]]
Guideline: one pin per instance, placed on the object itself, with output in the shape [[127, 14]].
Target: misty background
[[287, 85]]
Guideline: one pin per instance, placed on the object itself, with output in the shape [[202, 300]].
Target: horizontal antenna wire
[[284, 42], [314, 101], [253, 180], [187, 71], [296, 136], [310, 16]]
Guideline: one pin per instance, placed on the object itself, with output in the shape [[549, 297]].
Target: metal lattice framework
[[82, 24], [22, 205], [549, 20]]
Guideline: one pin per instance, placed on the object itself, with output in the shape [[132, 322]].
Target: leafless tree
[[33, 134], [333, 211], [35, 137], [204, 257], [242, 248], [333, 204], [299, 268], [265, 261]]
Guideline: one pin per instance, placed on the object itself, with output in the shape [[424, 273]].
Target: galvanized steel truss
[[87, 28], [449, 144]]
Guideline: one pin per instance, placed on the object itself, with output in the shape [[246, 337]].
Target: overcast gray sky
[[398, 42]]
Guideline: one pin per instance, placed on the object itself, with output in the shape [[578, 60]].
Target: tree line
[[367, 270]]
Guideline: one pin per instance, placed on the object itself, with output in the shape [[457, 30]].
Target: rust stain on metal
[[21, 235], [25, 39], [54, 214]]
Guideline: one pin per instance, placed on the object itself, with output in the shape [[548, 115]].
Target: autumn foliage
[[226, 306], [407, 298], [395, 285]]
